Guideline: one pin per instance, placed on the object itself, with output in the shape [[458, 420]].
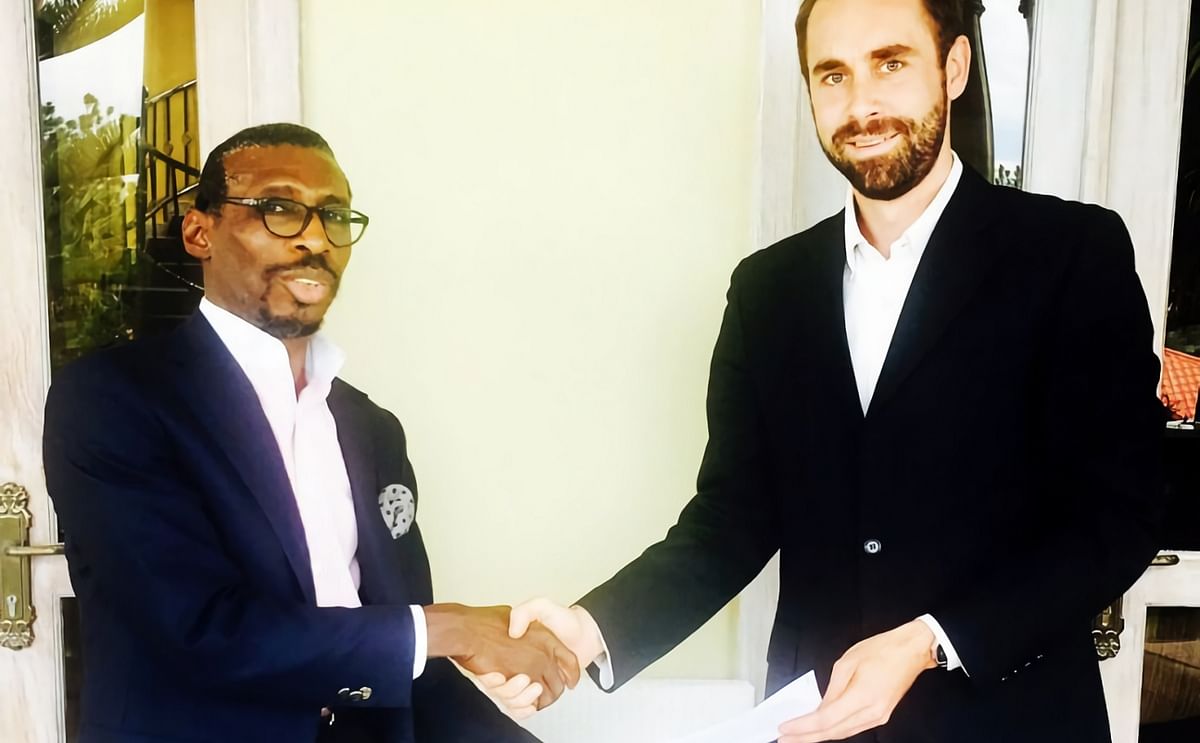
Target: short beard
[[893, 174], [285, 328]]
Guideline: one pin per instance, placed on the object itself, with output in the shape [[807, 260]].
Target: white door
[[76, 275], [32, 698], [1167, 595]]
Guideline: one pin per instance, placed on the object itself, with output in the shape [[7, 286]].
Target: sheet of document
[[761, 724]]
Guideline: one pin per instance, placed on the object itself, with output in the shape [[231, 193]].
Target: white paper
[[761, 724]]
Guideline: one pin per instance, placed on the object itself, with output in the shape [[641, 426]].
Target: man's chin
[[878, 189], [883, 178], [289, 327]]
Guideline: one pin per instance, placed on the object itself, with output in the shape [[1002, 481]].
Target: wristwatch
[[939, 655]]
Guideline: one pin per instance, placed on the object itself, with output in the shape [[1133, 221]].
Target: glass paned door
[[1170, 711], [99, 155]]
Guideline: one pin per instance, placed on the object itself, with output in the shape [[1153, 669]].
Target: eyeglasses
[[287, 218]]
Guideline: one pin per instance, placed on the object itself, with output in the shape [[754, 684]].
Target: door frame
[[1085, 56], [248, 71], [1176, 585]]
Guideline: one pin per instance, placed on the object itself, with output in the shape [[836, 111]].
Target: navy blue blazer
[[188, 558]]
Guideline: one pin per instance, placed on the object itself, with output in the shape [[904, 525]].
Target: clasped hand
[[867, 682], [572, 625], [477, 638]]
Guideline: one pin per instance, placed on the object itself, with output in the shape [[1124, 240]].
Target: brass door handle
[[1107, 628], [35, 550], [17, 613]]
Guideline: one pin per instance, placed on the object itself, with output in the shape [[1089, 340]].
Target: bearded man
[[886, 409]]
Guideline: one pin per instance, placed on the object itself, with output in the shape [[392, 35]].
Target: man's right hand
[[478, 639], [573, 625]]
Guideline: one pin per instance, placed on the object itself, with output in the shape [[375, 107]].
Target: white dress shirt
[[873, 292], [874, 289], [306, 433]]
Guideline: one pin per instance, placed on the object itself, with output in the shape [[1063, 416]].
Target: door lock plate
[[16, 587]]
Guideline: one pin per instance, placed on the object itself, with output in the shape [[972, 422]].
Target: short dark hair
[[213, 189], [948, 17]]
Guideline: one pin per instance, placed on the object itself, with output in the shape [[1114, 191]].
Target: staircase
[[171, 283]]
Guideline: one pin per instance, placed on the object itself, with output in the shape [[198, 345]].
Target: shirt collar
[[262, 355], [918, 233]]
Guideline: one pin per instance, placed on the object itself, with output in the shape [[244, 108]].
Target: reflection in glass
[[1181, 358], [118, 117], [90, 80], [116, 82], [989, 117], [1171, 676], [1005, 31]]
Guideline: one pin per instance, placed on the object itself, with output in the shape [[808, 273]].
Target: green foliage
[[61, 26], [89, 183], [58, 15]]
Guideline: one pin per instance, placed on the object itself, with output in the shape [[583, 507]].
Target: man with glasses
[[240, 523]]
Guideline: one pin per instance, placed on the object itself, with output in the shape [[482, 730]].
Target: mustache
[[316, 261], [873, 128]]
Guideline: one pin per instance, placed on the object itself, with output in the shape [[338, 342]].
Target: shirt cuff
[[603, 661], [953, 662], [420, 640]]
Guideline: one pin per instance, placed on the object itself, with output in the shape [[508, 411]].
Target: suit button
[[343, 694], [355, 696], [872, 547], [366, 693]]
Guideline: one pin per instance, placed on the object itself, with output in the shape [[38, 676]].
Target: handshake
[[524, 657]]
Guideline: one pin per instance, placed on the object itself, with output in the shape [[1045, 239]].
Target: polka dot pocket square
[[399, 509]]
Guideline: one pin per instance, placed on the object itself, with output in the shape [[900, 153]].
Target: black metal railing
[[170, 285], [172, 157]]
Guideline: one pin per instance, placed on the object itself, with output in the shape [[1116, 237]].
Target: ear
[[196, 239], [958, 67]]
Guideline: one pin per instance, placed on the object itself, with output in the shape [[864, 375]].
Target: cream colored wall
[[558, 191]]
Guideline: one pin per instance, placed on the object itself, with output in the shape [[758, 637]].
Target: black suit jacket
[[188, 557], [1007, 466]]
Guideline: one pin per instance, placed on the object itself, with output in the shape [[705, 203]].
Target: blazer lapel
[[825, 345], [224, 401], [956, 259], [381, 581]]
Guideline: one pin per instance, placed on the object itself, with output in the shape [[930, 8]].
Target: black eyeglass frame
[[258, 204]]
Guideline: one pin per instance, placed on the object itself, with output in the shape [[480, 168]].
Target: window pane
[[1171, 676], [1181, 359], [1006, 51], [116, 83]]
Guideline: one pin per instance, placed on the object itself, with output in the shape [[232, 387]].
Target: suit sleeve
[[723, 537], [1107, 466], [145, 546]]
